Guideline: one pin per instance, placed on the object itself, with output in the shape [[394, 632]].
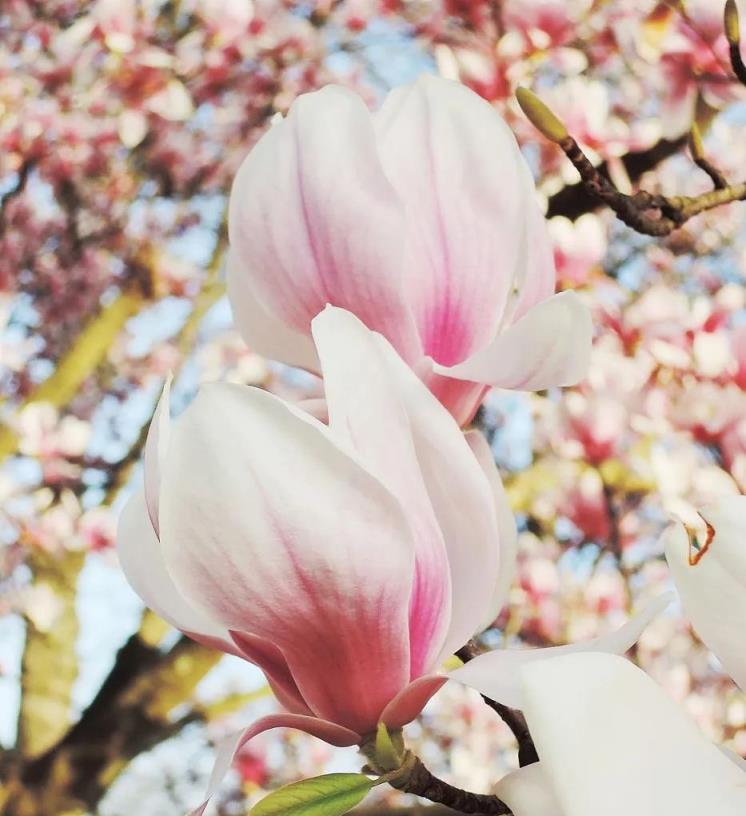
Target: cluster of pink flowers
[[254, 527], [122, 128]]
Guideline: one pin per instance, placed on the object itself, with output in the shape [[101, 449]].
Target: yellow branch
[[49, 664]]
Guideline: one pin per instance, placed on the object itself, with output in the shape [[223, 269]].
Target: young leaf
[[329, 795], [388, 756]]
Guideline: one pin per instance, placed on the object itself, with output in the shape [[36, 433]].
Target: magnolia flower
[[711, 579], [421, 219], [348, 559], [612, 742], [609, 738]]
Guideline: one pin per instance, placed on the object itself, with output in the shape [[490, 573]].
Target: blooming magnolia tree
[[434, 453]]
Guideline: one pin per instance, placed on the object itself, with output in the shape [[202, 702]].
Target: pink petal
[[549, 346], [462, 497], [369, 415], [411, 700], [142, 562], [269, 527], [227, 749], [497, 674], [270, 659], [314, 220], [460, 397], [264, 332], [156, 446], [457, 168], [507, 532]]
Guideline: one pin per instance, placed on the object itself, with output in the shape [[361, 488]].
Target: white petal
[[263, 332], [712, 588], [549, 346], [528, 792], [497, 674], [507, 531], [156, 445], [142, 561], [314, 220], [613, 743]]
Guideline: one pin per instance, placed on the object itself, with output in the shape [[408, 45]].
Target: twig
[[512, 717], [574, 200], [696, 148], [421, 782], [644, 212]]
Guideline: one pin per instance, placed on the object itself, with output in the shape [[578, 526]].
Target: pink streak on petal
[[460, 397], [465, 186], [264, 654], [370, 414], [293, 566], [227, 749]]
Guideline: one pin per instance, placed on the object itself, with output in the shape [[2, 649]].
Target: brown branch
[[416, 810], [129, 715], [575, 200], [419, 781], [24, 171], [645, 212], [512, 717], [718, 179], [736, 61]]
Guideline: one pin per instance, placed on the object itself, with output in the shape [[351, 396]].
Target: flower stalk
[[411, 776]]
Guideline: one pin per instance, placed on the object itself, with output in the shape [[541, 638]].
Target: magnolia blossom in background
[[421, 219], [579, 247], [609, 738], [255, 531]]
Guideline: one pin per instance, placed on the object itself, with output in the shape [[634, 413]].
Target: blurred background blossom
[[121, 127]]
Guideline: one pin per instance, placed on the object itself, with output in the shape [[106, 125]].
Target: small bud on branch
[[732, 23], [541, 117], [733, 35], [645, 212]]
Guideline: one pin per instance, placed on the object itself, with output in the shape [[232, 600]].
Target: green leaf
[[388, 755], [330, 795]]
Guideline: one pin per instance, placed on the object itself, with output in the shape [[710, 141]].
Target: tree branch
[[576, 200], [512, 717]]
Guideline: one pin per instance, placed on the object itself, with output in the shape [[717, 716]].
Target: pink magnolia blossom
[[420, 219], [546, 23], [579, 247], [347, 560]]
